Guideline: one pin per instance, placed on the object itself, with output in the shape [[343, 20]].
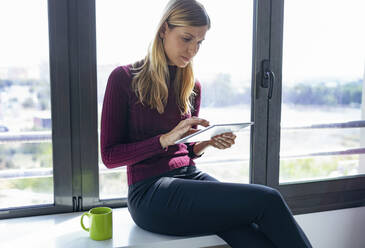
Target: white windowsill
[[64, 230]]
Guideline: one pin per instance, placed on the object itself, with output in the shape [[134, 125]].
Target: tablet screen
[[211, 131]]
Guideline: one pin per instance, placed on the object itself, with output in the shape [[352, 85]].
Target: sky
[[322, 38]]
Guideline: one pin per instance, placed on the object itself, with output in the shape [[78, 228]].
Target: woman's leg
[[253, 231], [248, 236], [179, 206]]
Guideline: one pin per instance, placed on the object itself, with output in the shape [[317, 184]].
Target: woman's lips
[[185, 59]]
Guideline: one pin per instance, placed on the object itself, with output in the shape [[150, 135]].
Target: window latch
[[77, 203], [267, 77]]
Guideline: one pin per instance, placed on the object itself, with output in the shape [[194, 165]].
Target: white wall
[[343, 228]]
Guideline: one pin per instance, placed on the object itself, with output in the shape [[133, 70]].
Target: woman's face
[[181, 44]]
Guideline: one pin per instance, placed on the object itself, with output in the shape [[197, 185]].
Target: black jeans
[[186, 201]]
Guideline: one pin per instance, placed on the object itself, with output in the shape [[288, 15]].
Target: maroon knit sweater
[[130, 131]]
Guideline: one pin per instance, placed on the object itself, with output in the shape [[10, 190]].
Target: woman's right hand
[[182, 129]]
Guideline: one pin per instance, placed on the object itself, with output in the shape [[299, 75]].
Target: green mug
[[101, 223]]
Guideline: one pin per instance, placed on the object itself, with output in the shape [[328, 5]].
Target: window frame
[[259, 106], [85, 15]]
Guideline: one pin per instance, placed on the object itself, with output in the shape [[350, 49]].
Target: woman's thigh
[[202, 205]]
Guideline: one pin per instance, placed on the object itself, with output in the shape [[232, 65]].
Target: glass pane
[[226, 93], [26, 176], [223, 67], [113, 183], [322, 134]]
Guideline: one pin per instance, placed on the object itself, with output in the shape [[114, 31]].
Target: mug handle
[[82, 223]]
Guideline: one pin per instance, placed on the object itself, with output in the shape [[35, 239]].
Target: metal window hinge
[[77, 203]]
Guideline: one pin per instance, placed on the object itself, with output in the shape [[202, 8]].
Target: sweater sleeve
[[115, 149], [195, 112]]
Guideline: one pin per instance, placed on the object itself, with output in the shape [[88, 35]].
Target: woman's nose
[[193, 49]]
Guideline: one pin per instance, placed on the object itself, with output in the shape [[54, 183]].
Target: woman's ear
[[163, 30]]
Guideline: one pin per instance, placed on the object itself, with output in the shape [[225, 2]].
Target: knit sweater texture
[[130, 131]]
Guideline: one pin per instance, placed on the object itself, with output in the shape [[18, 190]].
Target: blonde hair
[[152, 73]]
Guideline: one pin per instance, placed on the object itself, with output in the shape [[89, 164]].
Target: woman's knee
[[268, 194], [274, 193], [266, 191], [275, 197], [263, 196]]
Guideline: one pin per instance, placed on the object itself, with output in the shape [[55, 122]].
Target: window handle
[[268, 77]]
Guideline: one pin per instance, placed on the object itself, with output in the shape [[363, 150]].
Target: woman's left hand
[[223, 141]]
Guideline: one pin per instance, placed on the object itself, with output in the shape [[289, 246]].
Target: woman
[[151, 104]]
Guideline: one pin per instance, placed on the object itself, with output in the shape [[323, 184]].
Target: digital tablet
[[208, 132]]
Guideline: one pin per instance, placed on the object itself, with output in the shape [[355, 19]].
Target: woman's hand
[[183, 129], [223, 141]]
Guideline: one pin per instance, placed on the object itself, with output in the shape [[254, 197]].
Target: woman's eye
[[186, 39]]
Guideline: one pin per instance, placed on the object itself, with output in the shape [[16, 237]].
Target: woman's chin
[[181, 64]]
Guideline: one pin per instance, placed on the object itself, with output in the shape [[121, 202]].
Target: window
[[29, 163], [25, 115], [324, 90], [307, 139], [225, 75], [116, 47], [321, 126]]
